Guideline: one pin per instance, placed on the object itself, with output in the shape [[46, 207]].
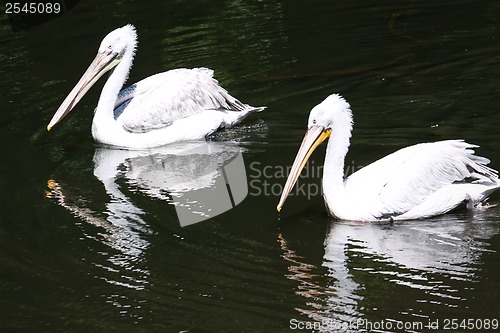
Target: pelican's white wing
[[403, 180], [161, 99]]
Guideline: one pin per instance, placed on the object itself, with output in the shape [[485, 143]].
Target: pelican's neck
[[336, 151], [104, 113]]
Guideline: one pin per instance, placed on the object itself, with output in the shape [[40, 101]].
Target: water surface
[[88, 245]]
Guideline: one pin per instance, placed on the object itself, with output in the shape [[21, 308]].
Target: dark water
[[89, 242]]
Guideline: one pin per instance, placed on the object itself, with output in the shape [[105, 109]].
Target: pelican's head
[[119, 40], [327, 112], [114, 47], [322, 119]]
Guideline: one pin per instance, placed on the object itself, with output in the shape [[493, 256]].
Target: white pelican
[[415, 182], [180, 104]]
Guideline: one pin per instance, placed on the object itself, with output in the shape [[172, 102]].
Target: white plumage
[[415, 182], [180, 104]]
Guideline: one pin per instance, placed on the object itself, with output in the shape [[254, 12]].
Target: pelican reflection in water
[[374, 263], [177, 105], [187, 175], [415, 182], [200, 179]]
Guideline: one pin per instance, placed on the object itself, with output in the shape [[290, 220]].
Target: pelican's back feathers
[[405, 179], [166, 97]]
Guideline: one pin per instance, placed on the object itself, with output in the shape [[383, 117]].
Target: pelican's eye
[[314, 121]]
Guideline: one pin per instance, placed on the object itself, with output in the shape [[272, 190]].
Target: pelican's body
[[180, 104], [415, 182]]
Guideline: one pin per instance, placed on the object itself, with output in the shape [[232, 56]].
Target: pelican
[[415, 182], [180, 104]]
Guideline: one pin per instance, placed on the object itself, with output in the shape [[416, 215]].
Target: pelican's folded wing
[[404, 179], [161, 99]]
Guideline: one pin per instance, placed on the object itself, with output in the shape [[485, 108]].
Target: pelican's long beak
[[315, 135], [103, 62]]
